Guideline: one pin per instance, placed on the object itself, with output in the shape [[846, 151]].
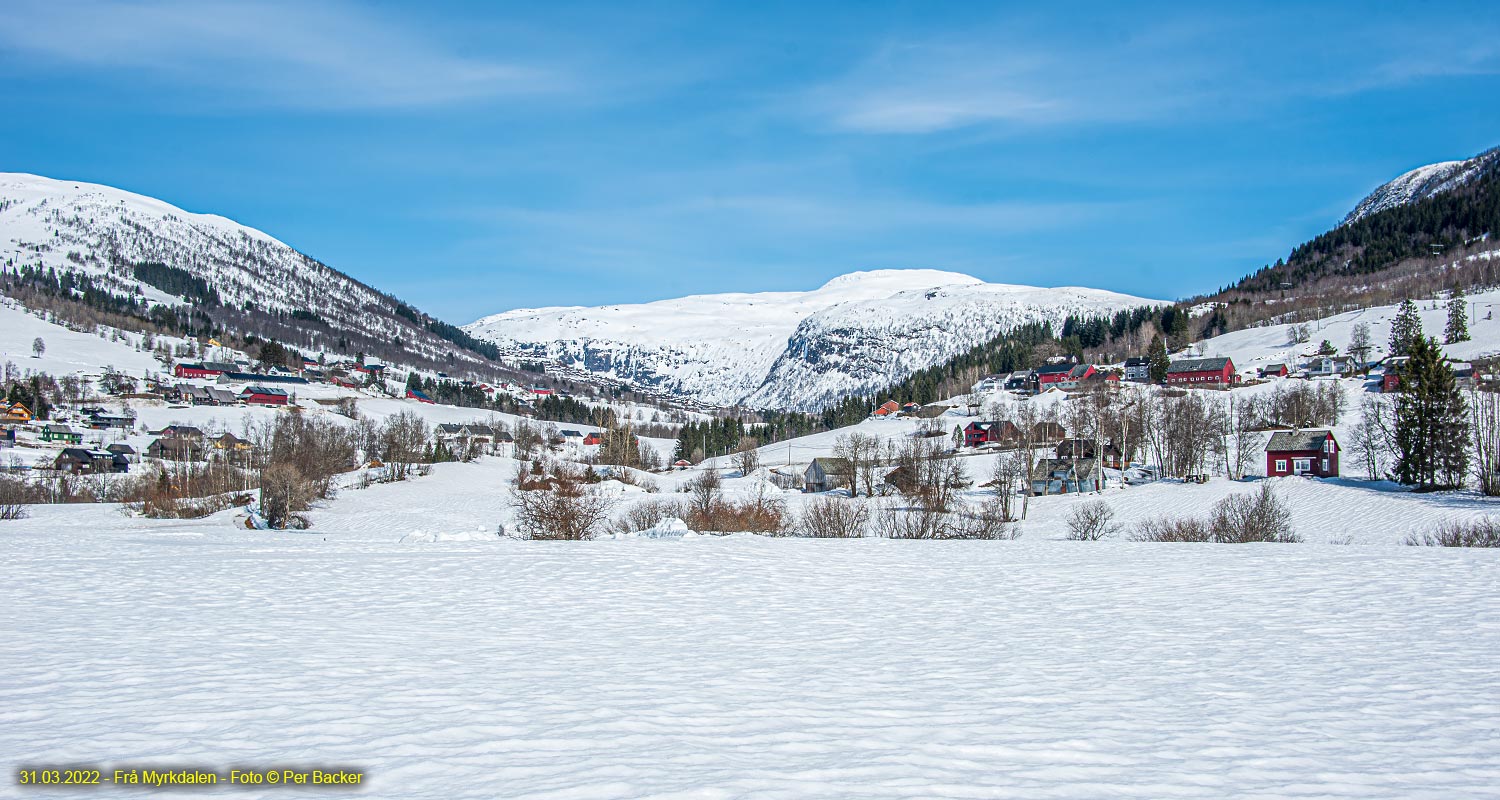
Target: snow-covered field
[[457, 664]]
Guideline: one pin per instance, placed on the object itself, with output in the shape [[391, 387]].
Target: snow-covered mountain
[[799, 350], [1424, 182], [265, 286]]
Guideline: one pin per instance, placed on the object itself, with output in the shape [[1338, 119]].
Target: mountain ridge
[[790, 350], [259, 285]]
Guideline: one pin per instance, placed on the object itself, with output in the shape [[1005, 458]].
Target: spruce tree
[[1458, 319], [1432, 424], [1160, 362], [1406, 330]]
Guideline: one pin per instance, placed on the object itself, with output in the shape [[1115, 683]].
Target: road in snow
[[743, 666]]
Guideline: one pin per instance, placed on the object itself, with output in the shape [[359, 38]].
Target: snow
[[1253, 347], [68, 352], [401, 637], [1421, 183], [790, 349], [98, 230]]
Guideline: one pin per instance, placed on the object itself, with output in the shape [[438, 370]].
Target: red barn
[[263, 396], [185, 370], [1201, 372], [887, 408], [419, 396], [593, 438], [1313, 452]]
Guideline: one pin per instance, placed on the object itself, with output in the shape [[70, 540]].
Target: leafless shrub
[[745, 455], [14, 495], [1478, 533], [1091, 521], [833, 518], [637, 478], [560, 507], [988, 520], [1179, 529], [1252, 517], [646, 514], [284, 493], [168, 506], [756, 515], [991, 520], [895, 521]]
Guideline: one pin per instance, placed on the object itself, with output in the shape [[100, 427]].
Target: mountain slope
[[138, 246], [1424, 182], [795, 350]]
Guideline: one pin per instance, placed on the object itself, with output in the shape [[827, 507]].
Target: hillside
[[1412, 236], [132, 255], [790, 350], [1422, 183]]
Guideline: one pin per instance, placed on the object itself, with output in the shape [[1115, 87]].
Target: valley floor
[[744, 666]]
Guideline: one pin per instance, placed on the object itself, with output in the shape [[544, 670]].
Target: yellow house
[[14, 414]]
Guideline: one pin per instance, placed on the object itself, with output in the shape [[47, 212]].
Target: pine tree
[[1458, 319], [1432, 424], [1160, 362], [1406, 330]]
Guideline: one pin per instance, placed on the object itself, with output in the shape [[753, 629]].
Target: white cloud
[[321, 55]]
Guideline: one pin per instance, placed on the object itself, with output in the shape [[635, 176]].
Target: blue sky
[[475, 157]]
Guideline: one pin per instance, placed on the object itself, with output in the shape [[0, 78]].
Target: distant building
[[978, 433], [79, 461], [1312, 452], [827, 474], [1067, 476], [263, 396], [1050, 375], [1201, 372], [1084, 448], [15, 414], [1138, 369], [53, 432]]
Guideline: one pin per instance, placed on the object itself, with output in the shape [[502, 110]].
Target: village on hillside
[[1033, 449]]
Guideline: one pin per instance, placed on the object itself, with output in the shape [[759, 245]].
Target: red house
[[593, 438], [978, 433], [263, 396], [1390, 381], [1313, 452], [1274, 371], [887, 408], [1201, 372], [1052, 374], [185, 370]]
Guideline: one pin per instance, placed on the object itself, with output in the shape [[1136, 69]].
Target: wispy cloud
[[1166, 72], [929, 86], [322, 54]]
